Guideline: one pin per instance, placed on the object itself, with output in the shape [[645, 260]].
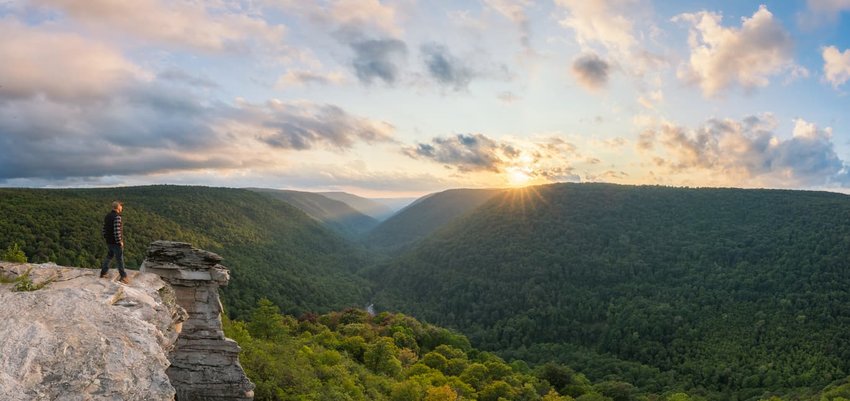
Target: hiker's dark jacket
[[113, 228]]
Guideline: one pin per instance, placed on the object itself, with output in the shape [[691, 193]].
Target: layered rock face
[[85, 338], [204, 363]]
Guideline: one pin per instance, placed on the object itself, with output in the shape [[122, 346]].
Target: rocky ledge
[[81, 337], [66, 334], [204, 363]]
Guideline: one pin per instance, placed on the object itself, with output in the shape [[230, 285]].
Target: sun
[[518, 176]]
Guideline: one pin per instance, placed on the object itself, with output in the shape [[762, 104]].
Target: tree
[[382, 357], [442, 393], [14, 254], [266, 321]]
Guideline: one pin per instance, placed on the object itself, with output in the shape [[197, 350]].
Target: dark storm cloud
[[444, 67]]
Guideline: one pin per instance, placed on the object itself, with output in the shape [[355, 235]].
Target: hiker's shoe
[[124, 280], [105, 275]]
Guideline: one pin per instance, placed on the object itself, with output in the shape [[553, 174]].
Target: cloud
[[365, 13], [134, 131], [591, 71], [305, 125], [828, 6], [747, 152], [819, 12], [722, 57], [445, 68], [378, 59], [73, 107], [466, 152], [508, 97], [57, 65], [369, 28], [206, 26], [515, 11], [649, 100], [369, 17], [609, 29], [601, 21], [181, 76], [544, 160], [836, 66], [298, 77]]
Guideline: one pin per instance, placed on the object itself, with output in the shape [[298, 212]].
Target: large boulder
[[82, 337]]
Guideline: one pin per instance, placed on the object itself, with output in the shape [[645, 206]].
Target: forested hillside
[[273, 249], [728, 293], [425, 216], [725, 294], [333, 213], [351, 355]]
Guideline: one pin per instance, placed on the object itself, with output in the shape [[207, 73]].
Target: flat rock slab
[[86, 338]]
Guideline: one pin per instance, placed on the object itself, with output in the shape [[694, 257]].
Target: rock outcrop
[[204, 363], [85, 338]]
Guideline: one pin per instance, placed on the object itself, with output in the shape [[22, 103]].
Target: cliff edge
[[66, 334]]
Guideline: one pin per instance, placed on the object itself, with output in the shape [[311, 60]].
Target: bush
[[14, 254]]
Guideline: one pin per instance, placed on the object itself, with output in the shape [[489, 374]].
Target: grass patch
[[24, 282]]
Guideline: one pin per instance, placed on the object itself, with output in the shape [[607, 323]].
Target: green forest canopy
[[727, 294]]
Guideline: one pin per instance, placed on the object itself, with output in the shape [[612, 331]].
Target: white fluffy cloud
[[836, 65], [602, 21], [366, 12], [74, 107], [747, 56], [59, 65], [747, 152], [200, 25]]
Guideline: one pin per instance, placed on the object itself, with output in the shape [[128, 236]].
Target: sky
[[402, 98]]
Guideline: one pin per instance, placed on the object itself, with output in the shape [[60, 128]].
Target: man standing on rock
[[113, 233]]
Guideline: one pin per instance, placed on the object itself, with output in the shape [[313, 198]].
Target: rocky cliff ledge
[[204, 363], [80, 337]]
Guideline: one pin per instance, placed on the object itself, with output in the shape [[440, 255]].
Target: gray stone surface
[[204, 364], [86, 338]]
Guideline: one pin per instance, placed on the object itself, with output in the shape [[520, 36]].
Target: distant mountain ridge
[[335, 214], [378, 208]]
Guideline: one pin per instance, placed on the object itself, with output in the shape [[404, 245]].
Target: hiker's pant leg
[[104, 267], [119, 258]]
